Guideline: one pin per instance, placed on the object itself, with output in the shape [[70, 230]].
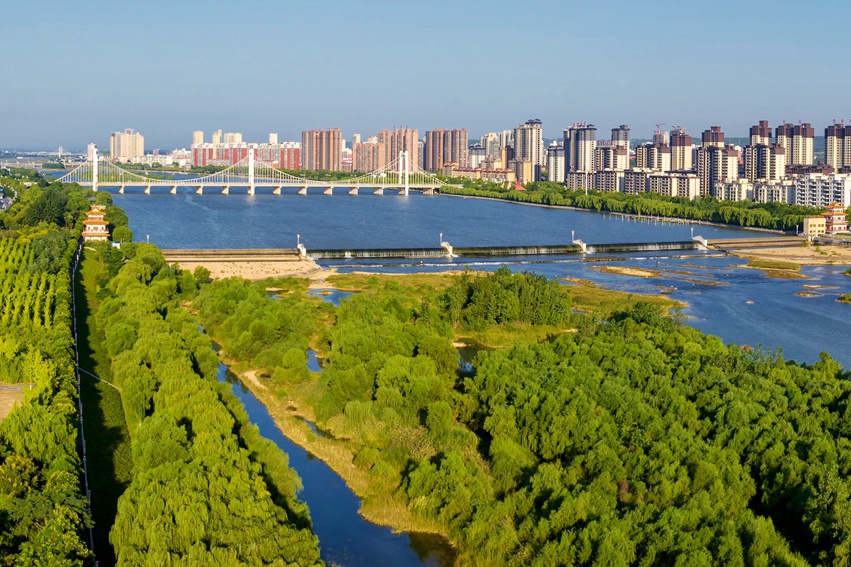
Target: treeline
[[776, 216], [43, 510], [206, 487], [632, 441]]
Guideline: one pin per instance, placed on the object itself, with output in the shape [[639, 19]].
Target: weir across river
[[292, 254]]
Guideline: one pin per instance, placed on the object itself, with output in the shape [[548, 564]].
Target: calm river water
[[738, 304]]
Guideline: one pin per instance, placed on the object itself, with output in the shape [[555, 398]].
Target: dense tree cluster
[[503, 297], [634, 441], [741, 213], [42, 508], [207, 488]]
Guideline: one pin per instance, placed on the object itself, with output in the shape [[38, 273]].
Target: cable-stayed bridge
[[251, 173]]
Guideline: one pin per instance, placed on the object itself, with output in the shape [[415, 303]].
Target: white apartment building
[[774, 192], [635, 180], [555, 163], [674, 184], [820, 190]]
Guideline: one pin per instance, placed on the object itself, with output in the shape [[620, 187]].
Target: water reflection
[[330, 295]]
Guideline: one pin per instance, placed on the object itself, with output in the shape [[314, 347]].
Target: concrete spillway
[[498, 251]]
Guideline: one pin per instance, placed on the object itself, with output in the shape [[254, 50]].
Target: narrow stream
[[345, 538]]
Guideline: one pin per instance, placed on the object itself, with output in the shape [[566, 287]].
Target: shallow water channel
[[345, 538]]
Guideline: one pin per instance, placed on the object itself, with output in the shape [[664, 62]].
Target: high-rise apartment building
[[405, 140], [476, 156], [555, 162], [217, 138], [681, 152], [580, 141], [445, 146], [716, 166], [760, 134], [368, 156], [197, 137], [322, 150], [765, 162], [490, 142], [529, 145], [273, 138], [620, 137], [837, 145], [653, 156], [609, 156], [506, 139], [797, 142], [126, 146]]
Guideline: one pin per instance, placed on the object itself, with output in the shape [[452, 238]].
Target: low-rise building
[[835, 219], [814, 226], [95, 226]]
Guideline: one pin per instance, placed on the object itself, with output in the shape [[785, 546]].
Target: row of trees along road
[[631, 441], [776, 216], [207, 489]]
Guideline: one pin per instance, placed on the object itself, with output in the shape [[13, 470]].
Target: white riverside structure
[[251, 173]]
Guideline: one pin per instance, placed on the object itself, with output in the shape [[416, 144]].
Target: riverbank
[[808, 256], [292, 413], [260, 269], [638, 218]]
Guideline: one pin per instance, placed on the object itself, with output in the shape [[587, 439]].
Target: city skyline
[[74, 76]]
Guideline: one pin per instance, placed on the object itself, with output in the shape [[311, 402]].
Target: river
[[723, 297]]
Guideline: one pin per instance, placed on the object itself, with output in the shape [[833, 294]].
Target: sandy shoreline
[[808, 256], [258, 270]]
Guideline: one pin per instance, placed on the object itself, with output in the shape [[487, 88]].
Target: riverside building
[[126, 146]]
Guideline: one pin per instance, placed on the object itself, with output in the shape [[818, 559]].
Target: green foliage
[[206, 487], [42, 508], [503, 297], [122, 234], [635, 441]]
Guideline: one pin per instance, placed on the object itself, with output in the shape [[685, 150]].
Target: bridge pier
[[225, 189], [302, 190], [251, 189], [173, 190], [147, 189], [354, 190], [199, 190], [379, 191], [276, 190], [121, 189], [428, 191], [328, 191]]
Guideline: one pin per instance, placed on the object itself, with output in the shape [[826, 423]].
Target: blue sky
[[75, 71]]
